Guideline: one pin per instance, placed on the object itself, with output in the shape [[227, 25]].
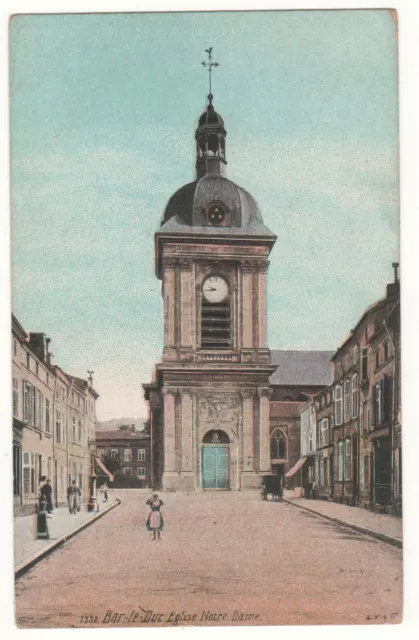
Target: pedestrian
[[104, 491], [73, 495], [46, 495], [42, 481], [155, 521], [281, 488]]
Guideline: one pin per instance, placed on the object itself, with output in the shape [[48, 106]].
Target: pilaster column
[[248, 452], [187, 428], [186, 303], [169, 431], [169, 301], [247, 305], [264, 442], [262, 271]]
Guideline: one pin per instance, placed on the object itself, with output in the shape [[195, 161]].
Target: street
[[224, 558]]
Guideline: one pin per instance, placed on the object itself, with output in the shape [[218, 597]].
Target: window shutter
[[387, 398], [382, 416], [374, 406]]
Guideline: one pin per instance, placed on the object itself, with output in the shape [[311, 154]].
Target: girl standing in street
[[155, 519]]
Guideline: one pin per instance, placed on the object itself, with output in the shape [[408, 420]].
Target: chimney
[[37, 342], [48, 354], [394, 288]]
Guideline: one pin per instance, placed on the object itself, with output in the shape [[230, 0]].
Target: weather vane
[[90, 376], [209, 65]]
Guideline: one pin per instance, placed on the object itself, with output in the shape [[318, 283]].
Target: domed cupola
[[212, 204], [210, 142]]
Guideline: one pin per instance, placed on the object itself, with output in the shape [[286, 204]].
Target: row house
[[324, 463], [53, 423], [308, 435], [358, 417], [131, 451], [363, 409]]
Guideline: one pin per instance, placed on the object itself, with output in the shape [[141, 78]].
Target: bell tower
[[209, 402]]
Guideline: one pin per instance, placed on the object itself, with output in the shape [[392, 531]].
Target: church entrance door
[[215, 461]]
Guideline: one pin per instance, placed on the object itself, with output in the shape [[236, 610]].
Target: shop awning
[[103, 468], [295, 468]]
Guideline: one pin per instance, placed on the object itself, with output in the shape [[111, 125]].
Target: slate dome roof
[[185, 206], [210, 116]]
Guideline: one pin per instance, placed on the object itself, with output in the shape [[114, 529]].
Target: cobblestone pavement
[[224, 558]]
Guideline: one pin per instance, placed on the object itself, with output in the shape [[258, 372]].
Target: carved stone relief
[[216, 410]]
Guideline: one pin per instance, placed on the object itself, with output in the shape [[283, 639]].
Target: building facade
[[132, 451], [209, 401], [324, 463], [51, 426], [308, 447], [358, 417], [33, 437]]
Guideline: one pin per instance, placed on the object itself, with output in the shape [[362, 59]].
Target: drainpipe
[[54, 435], [393, 391]]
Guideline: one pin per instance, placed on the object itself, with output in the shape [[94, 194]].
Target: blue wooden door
[[215, 467]]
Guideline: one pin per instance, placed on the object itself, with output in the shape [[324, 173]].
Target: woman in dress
[[155, 519]]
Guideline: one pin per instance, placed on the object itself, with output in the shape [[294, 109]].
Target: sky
[[103, 114]]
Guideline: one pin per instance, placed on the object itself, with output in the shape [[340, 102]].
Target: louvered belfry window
[[216, 325]]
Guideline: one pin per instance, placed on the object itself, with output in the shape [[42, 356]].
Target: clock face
[[215, 289]]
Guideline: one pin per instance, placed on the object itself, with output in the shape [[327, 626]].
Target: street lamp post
[[92, 504]]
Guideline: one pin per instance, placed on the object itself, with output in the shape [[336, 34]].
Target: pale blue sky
[[103, 114]]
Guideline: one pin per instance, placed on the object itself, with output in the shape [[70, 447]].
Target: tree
[[112, 462], [127, 427]]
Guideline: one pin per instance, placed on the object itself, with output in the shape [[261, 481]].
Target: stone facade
[[215, 369], [45, 401]]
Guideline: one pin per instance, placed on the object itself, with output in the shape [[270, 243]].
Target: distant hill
[[113, 425]]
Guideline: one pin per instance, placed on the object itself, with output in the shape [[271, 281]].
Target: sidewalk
[[384, 527], [61, 525]]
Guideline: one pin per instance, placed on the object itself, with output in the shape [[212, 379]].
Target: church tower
[[209, 402]]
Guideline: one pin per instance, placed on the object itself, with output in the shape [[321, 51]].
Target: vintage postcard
[[207, 424]]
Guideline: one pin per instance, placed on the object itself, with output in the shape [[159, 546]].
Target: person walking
[[73, 495], [155, 521], [104, 491], [46, 495], [281, 489]]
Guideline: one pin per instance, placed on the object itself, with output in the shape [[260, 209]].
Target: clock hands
[[210, 289]]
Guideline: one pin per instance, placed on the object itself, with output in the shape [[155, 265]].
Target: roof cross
[[209, 66]]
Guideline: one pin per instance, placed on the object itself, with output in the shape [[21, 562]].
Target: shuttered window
[[346, 400], [15, 397], [340, 461], [347, 459], [338, 405], [355, 396]]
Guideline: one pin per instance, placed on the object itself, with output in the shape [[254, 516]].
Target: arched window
[[278, 445], [213, 144]]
